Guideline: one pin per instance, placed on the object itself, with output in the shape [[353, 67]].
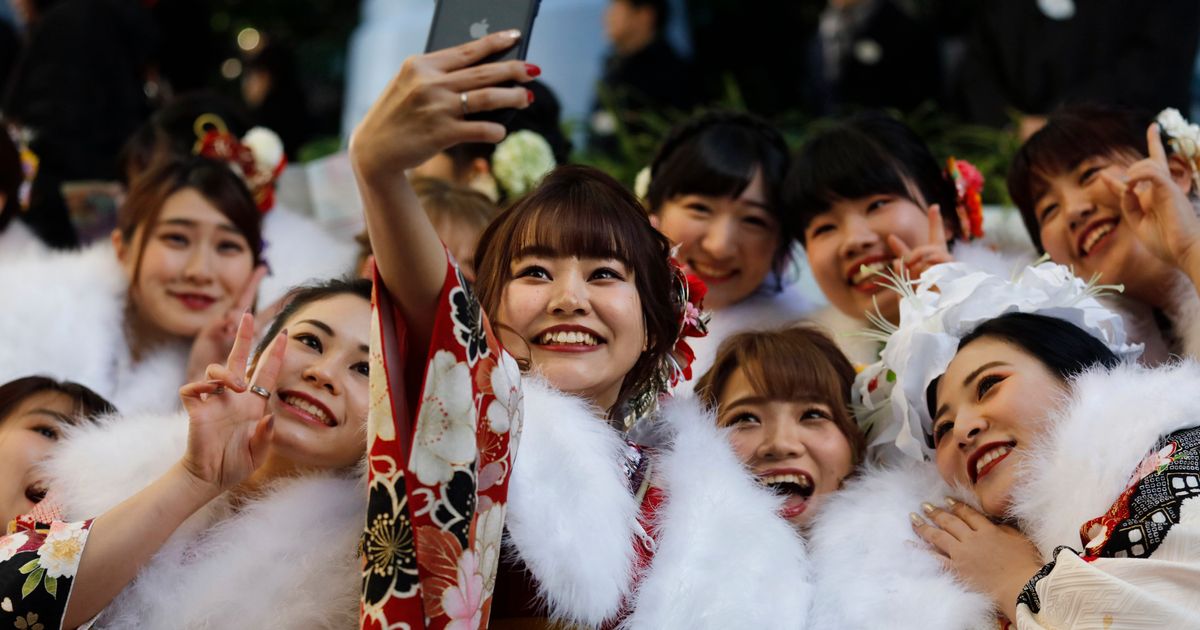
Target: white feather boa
[[300, 250], [285, 559], [1074, 473], [63, 317], [724, 558]]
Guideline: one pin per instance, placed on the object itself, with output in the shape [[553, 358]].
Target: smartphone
[[460, 21]]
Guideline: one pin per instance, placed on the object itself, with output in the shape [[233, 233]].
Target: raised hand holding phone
[[421, 113]]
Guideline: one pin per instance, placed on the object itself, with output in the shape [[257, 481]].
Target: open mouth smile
[[985, 459], [569, 338], [1095, 235], [307, 408], [795, 485]]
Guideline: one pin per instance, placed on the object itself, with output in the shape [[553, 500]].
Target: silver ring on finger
[[462, 98], [261, 391]]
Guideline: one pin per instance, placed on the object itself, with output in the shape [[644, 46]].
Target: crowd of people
[[527, 396]]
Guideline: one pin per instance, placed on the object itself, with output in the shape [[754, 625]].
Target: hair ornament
[[21, 137], [968, 184], [257, 157], [676, 366], [1183, 137], [936, 311], [521, 160]]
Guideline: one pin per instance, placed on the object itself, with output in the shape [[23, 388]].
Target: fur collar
[[292, 239], [568, 479], [1108, 425], [1111, 421], [720, 543], [64, 317], [862, 537], [222, 568], [724, 558]]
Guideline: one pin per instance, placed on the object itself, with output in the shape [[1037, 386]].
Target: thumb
[[260, 440]]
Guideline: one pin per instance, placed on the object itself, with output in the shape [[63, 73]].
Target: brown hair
[[580, 211], [88, 404], [443, 200], [1071, 135], [213, 180], [789, 364]]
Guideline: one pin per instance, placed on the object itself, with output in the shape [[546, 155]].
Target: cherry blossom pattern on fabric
[[439, 472], [38, 562]]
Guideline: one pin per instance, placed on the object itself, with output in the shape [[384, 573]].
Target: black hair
[[12, 174], [662, 11], [88, 404], [1064, 348], [172, 130], [1070, 136], [868, 154], [717, 154], [302, 296]]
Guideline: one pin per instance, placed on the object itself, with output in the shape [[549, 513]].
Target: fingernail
[[928, 507], [532, 70], [283, 333], [916, 520], [529, 95], [513, 33], [951, 502]]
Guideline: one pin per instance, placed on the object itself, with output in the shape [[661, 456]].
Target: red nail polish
[[529, 93], [532, 70]]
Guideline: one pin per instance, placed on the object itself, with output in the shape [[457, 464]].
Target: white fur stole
[[63, 316], [724, 559], [286, 559], [1083, 464], [871, 569], [300, 250]]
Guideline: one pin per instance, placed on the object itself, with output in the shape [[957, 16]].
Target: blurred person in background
[[1029, 57], [79, 88], [872, 53], [643, 73]]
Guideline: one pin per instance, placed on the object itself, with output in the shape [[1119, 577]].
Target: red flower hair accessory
[[968, 183], [257, 157], [693, 323]]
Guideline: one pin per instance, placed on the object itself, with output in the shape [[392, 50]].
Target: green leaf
[[52, 586], [32, 582], [29, 566]]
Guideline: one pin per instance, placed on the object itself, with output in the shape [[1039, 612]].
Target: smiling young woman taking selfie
[[575, 281]]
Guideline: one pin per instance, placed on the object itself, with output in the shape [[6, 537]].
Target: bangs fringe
[[846, 164], [573, 228]]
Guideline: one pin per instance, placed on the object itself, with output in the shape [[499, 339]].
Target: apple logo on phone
[[479, 29]]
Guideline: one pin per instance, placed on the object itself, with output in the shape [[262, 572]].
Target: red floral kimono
[[438, 473]]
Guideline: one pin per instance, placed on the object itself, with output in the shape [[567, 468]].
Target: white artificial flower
[[445, 436], [521, 160], [945, 305], [10, 544], [60, 551], [641, 183], [506, 386], [1185, 136], [267, 148]]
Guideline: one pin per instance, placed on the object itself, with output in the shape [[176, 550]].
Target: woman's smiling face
[[321, 398], [581, 318], [27, 434], [991, 403]]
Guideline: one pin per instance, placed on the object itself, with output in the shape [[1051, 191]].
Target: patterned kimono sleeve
[[1141, 561], [439, 466], [37, 566]]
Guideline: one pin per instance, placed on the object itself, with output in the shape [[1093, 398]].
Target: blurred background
[[972, 76]]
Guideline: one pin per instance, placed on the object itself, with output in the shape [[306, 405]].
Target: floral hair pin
[[257, 157], [968, 184], [1183, 138], [521, 161]]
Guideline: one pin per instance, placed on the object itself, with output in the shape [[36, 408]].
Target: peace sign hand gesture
[[215, 339], [917, 259], [229, 427], [1156, 209]]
